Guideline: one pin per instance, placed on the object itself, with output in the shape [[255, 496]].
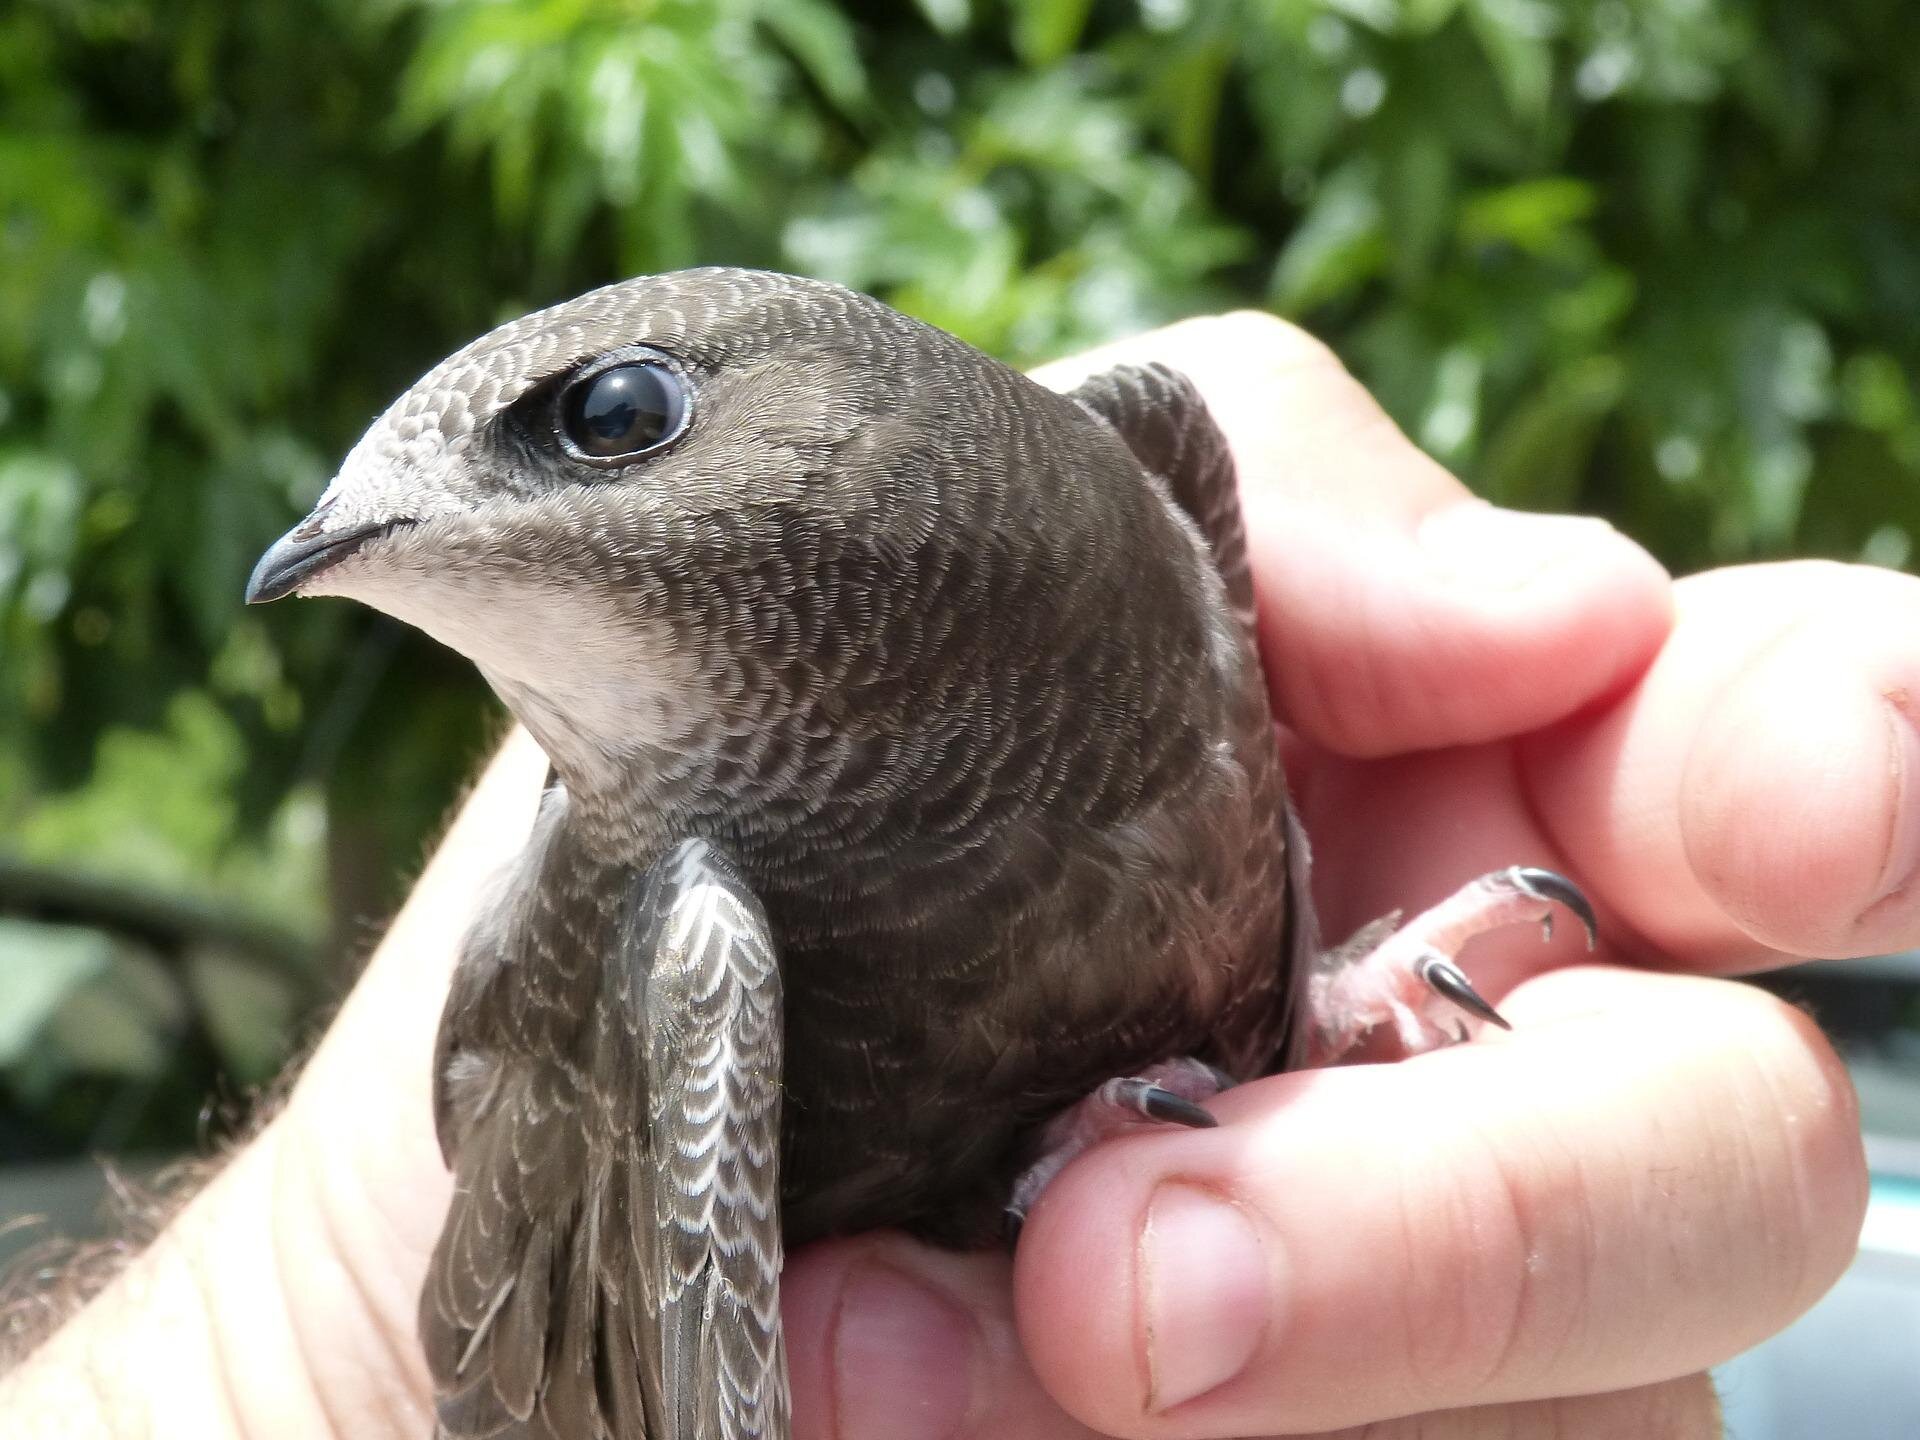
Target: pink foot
[[1163, 1094], [1407, 977]]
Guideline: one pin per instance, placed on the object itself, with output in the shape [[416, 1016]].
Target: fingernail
[[1483, 545], [1903, 830], [1208, 1282], [902, 1359]]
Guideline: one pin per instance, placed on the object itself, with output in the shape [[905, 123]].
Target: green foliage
[[1659, 258]]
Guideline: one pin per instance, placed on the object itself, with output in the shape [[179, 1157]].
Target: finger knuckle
[[1266, 339], [1473, 1317], [1687, 1408], [1803, 1167], [1683, 1409]]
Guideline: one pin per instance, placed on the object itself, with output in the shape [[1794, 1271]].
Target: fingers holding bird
[[1653, 1173], [1733, 792], [1758, 794], [1397, 611], [1650, 1175], [1754, 799]]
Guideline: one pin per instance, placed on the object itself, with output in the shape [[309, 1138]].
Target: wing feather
[[714, 1072], [609, 1268], [1161, 416]]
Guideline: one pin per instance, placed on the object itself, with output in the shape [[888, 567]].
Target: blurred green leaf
[[1188, 91], [249, 1009], [1337, 247], [1517, 36], [121, 1021], [1544, 446], [40, 968], [949, 17], [1531, 215], [822, 40], [1045, 30]]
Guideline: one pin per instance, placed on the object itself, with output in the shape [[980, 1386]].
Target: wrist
[[163, 1347], [244, 1319], [280, 1301]]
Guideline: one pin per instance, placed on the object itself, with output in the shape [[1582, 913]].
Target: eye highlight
[[623, 411]]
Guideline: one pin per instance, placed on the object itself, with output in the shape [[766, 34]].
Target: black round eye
[[625, 410]]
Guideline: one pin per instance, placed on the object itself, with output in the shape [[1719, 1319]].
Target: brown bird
[[917, 816]]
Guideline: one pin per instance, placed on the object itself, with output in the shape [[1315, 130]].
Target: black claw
[[1157, 1103], [1546, 885], [1446, 981], [1016, 1221]]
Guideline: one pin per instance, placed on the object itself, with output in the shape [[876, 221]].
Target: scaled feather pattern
[[913, 775]]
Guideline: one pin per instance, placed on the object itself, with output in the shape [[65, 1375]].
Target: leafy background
[[1657, 258]]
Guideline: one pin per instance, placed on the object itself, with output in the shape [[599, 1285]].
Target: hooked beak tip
[[303, 553]]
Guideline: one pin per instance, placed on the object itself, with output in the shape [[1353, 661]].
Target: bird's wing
[[1158, 412], [1303, 943], [610, 1265], [713, 1026], [520, 1310], [1161, 416]]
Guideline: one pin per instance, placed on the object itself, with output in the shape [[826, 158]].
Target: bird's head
[[588, 500]]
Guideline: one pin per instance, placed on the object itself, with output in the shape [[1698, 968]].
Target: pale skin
[[1552, 1233]]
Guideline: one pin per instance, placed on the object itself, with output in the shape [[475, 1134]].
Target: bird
[[915, 817]]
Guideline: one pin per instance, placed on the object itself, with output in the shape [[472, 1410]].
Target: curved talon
[[1157, 1103], [1169, 1092], [1546, 885], [1443, 977]]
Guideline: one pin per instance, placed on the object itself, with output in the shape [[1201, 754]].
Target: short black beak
[[302, 553]]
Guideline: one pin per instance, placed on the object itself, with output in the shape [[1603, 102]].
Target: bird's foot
[[1165, 1094], [1407, 977]]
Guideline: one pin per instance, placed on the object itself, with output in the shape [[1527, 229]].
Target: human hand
[[1652, 1173], [1552, 1232]]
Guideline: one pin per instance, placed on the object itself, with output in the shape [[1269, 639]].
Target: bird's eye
[[624, 411]]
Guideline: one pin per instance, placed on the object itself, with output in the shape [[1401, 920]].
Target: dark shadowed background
[[1654, 258]]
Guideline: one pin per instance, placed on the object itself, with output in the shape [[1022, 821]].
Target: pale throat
[[603, 689]]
